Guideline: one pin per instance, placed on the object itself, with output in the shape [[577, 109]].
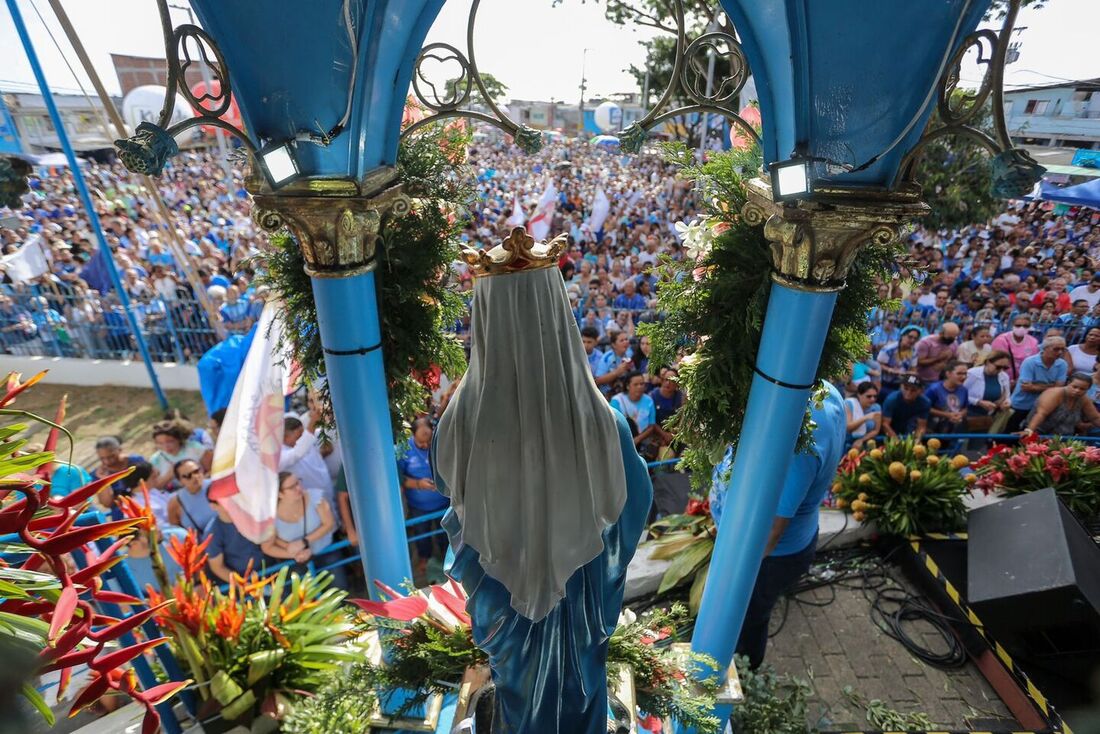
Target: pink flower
[[1068, 451], [1037, 448], [1017, 463], [1091, 455], [1057, 467], [721, 227]]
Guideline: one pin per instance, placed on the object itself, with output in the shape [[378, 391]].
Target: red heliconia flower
[[697, 507], [1091, 455], [229, 621], [189, 553], [14, 387]]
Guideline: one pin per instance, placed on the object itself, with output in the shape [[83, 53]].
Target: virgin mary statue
[[548, 496]]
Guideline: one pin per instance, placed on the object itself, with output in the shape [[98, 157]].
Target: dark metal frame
[[176, 44], [719, 101], [957, 119]]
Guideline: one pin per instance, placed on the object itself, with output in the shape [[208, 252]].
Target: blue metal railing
[[62, 322]]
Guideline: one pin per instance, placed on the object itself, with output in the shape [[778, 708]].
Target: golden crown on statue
[[518, 253]]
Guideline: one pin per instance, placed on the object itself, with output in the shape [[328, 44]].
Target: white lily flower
[[697, 238]]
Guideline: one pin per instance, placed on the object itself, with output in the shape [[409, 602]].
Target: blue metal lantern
[[847, 87]]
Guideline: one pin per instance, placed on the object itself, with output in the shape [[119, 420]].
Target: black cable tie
[[352, 352], [787, 385]]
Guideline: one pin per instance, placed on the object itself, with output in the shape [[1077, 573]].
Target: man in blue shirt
[[792, 542], [590, 337], [907, 410], [1037, 373], [629, 298]]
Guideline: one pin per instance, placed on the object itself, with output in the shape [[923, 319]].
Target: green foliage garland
[[416, 306], [773, 703], [714, 311], [342, 704]]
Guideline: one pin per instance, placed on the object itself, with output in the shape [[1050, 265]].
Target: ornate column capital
[[337, 228], [815, 242]]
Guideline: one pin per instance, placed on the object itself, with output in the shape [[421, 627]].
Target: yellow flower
[[897, 471], [960, 462], [863, 496], [853, 454], [864, 479], [919, 451], [876, 454], [971, 478], [915, 475], [933, 460], [934, 444]]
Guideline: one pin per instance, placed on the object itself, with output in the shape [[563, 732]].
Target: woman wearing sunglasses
[[988, 391]]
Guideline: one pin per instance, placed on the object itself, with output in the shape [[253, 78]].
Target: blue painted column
[[790, 349], [85, 198], [347, 315]]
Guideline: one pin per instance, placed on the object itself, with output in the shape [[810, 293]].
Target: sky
[[534, 48]]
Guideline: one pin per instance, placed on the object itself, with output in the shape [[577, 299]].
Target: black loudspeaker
[[1031, 564]]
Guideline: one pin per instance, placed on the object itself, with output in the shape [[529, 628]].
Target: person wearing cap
[[906, 411]]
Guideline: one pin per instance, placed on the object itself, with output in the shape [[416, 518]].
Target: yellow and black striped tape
[[1033, 692]]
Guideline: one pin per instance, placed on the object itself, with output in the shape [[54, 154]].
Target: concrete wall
[[1063, 119], [93, 372]]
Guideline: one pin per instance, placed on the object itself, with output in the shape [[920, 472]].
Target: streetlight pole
[[86, 199], [584, 86], [223, 149]]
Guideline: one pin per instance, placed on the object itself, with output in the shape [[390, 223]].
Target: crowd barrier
[[56, 323], [1073, 331]]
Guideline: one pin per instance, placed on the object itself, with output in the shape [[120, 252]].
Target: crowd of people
[[1002, 335], [56, 297]]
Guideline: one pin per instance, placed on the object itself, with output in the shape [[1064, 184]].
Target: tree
[[496, 89], [955, 173], [699, 17]]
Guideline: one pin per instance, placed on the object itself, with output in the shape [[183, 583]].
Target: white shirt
[[1081, 362], [1083, 292], [304, 459]]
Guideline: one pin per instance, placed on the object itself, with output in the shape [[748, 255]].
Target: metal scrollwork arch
[[720, 99], [451, 106], [957, 111]]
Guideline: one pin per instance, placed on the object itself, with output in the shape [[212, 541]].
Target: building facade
[[1065, 115]]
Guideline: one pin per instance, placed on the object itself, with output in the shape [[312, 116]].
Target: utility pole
[[584, 86], [223, 149]]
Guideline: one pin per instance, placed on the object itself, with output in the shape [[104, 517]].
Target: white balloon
[[609, 117], [143, 104]]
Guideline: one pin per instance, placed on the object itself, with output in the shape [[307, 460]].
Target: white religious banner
[[26, 263], [245, 472], [601, 206], [518, 217], [539, 225]]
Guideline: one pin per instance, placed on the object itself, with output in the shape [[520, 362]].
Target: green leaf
[[669, 546], [36, 700], [239, 707], [263, 663], [685, 564], [695, 596]]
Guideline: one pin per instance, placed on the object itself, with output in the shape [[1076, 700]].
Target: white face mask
[[1019, 331]]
